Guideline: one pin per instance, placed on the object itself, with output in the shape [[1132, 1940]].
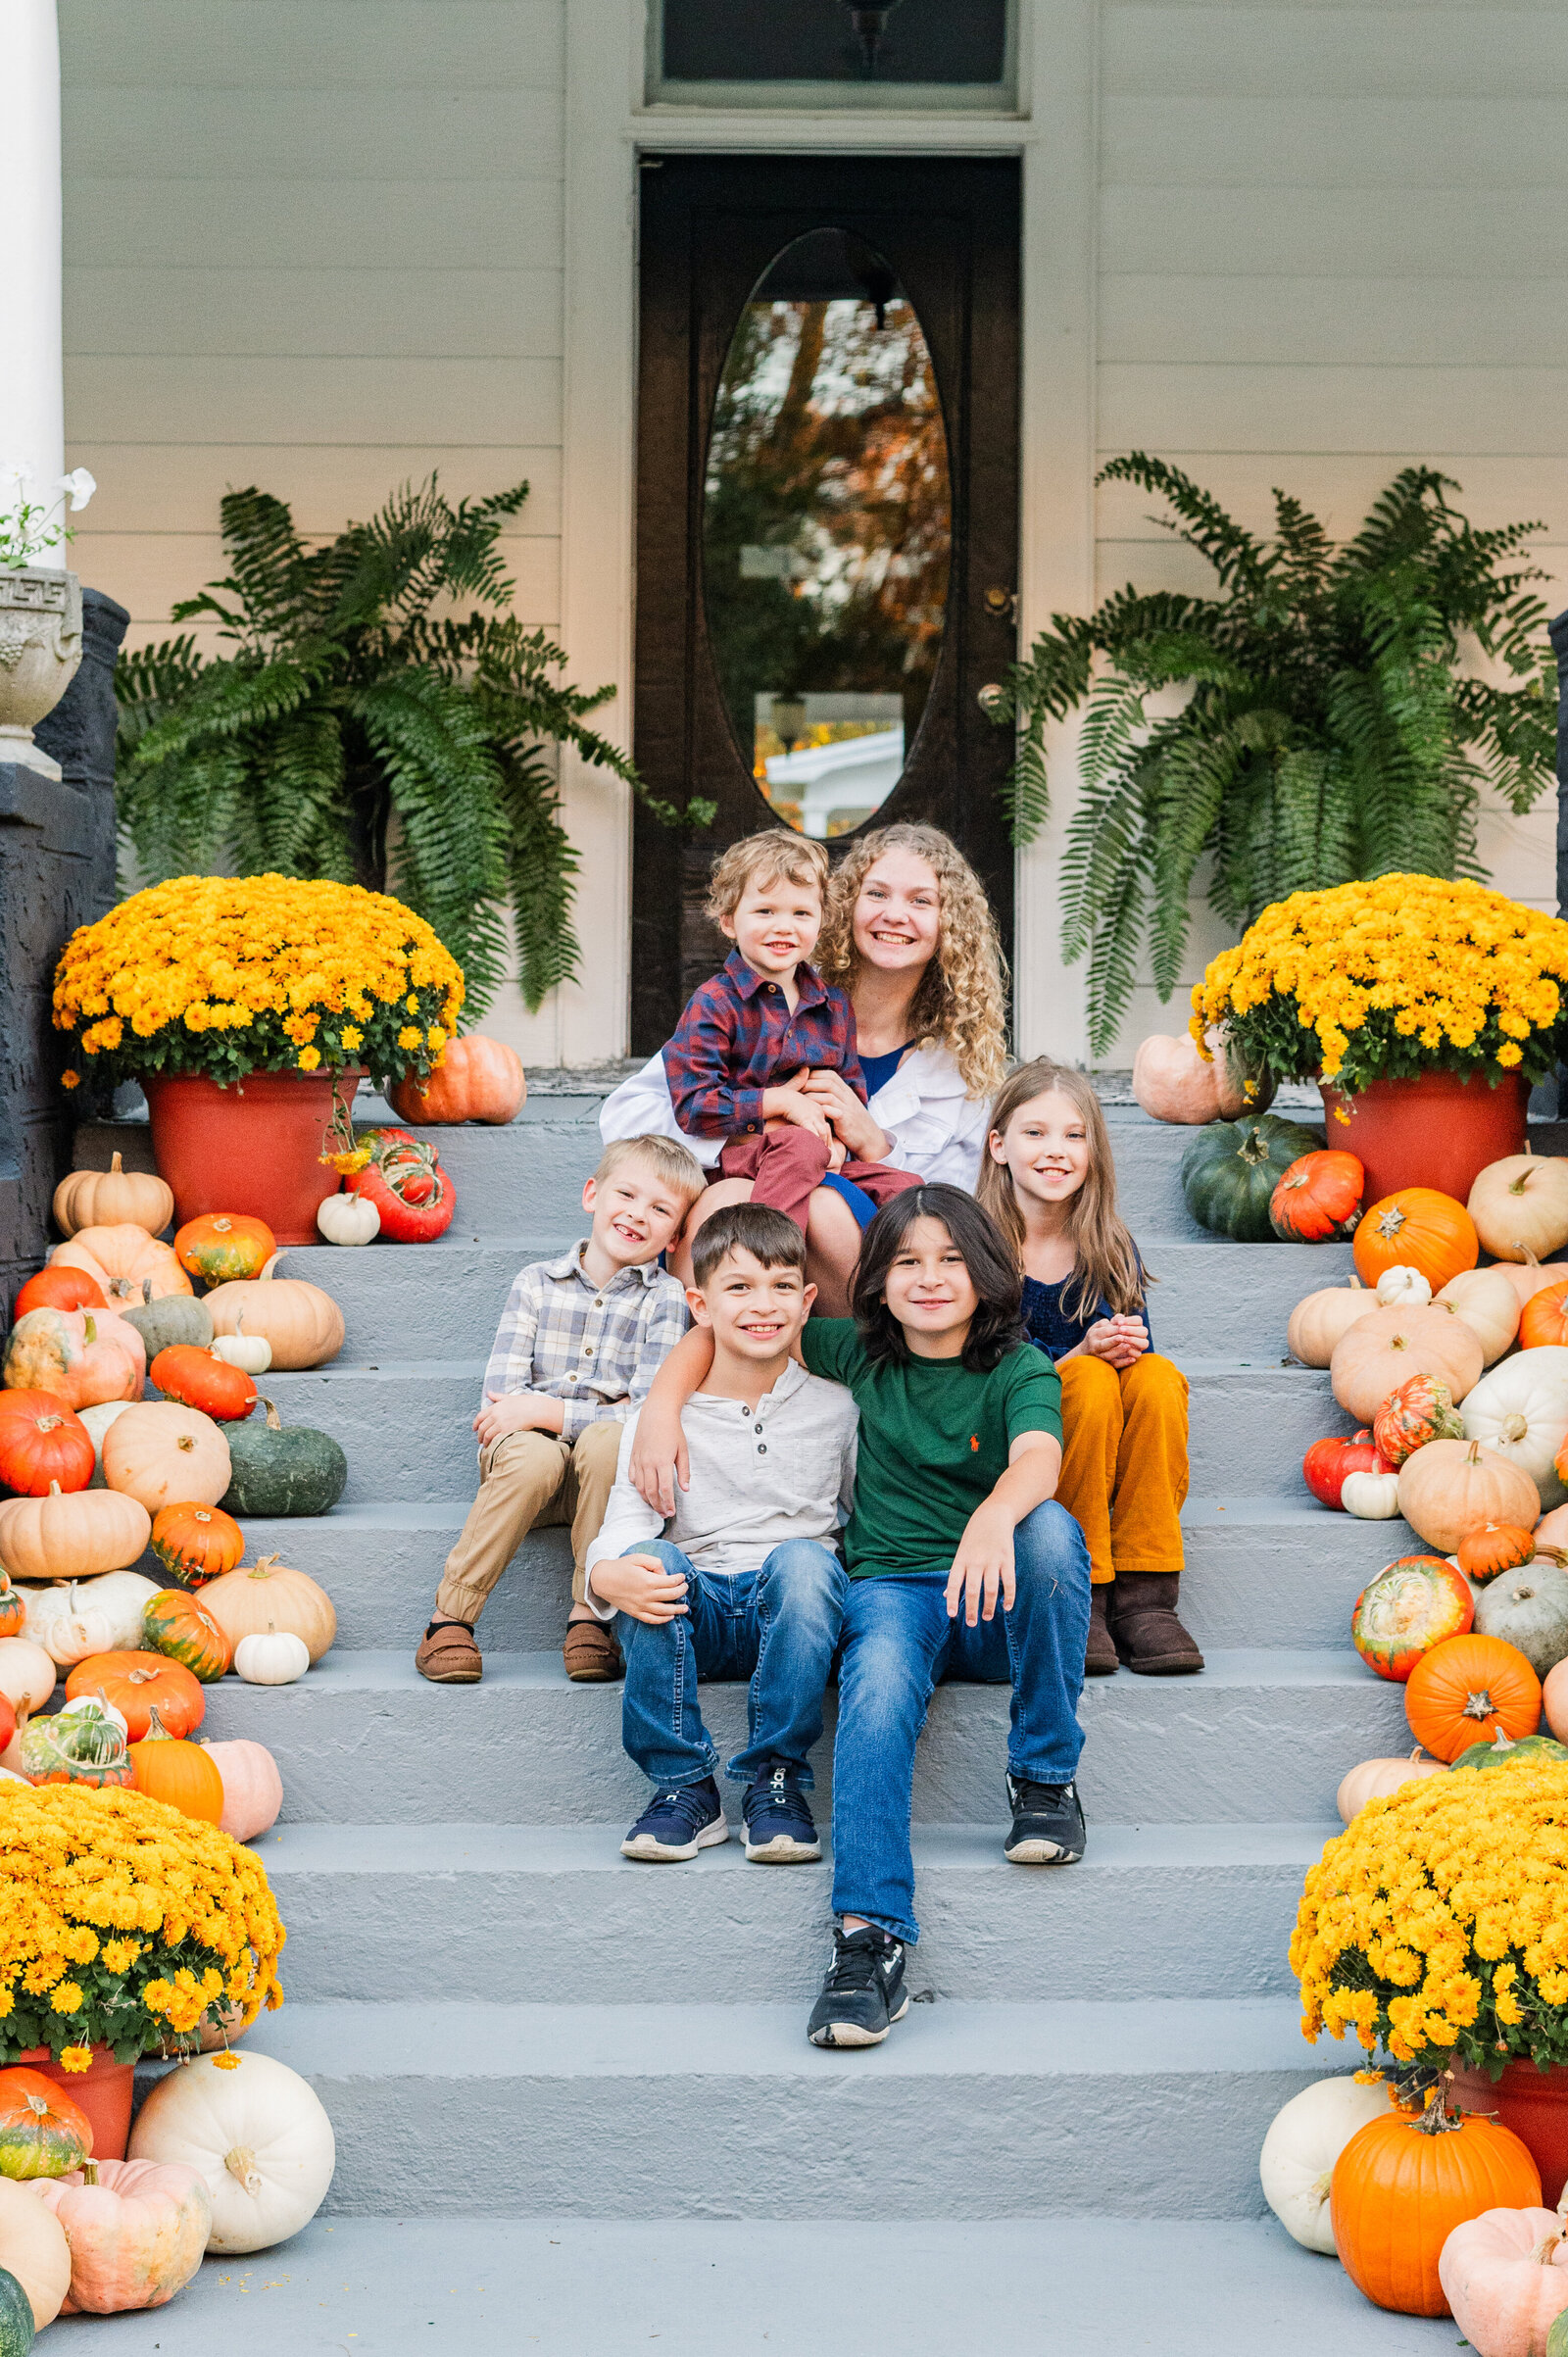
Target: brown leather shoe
[[1149, 1637], [591, 1654], [447, 1655], [1103, 1659]]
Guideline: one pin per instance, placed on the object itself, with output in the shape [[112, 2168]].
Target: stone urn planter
[[40, 650]]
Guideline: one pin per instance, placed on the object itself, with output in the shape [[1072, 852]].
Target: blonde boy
[[579, 1343]]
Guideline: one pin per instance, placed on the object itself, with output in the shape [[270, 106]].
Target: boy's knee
[[525, 1456], [598, 1446], [802, 1574], [1049, 1545]]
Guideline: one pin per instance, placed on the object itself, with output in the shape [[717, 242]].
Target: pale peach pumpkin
[[137, 2230], [1379, 1352], [84, 1357], [127, 1265], [159, 1452], [1489, 1302], [1318, 1322], [1506, 2276], [1450, 1488]]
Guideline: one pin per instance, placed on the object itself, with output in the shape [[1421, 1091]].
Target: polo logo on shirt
[[974, 1442]]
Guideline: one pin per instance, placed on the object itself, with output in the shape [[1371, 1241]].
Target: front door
[[827, 517]]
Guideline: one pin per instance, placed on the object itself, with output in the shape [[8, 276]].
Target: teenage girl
[[1049, 1183]]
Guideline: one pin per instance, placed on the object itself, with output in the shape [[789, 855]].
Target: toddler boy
[[579, 1343]]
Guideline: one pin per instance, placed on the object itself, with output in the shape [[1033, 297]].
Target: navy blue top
[[879, 1069], [1048, 1326]]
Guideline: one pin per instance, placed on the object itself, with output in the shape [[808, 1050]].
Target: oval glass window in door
[[827, 529]]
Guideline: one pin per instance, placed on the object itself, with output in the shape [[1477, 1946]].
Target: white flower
[[13, 474], [80, 484]]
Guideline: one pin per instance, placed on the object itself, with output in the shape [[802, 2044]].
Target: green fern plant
[[1335, 722], [362, 729]]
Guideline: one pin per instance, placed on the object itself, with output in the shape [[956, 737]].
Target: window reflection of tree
[[827, 444]]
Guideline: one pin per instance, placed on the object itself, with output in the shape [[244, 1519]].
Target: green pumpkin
[[1557, 2338], [1503, 1754], [1231, 1169], [16, 2317], [177, 1318], [281, 1469]]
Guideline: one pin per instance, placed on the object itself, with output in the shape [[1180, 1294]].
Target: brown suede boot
[[1149, 1637], [1103, 1659]]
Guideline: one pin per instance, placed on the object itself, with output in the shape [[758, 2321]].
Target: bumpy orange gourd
[[167, 1768], [196, 1543], [126, 1262], [1401, 2186], [476, 1080], [1471, 1690], [1416, 1228], [176, 1625], [1420, 1410], [1318, 1198], [1497, 1546], [138, 1684], [222, 1246], [84, 1357]]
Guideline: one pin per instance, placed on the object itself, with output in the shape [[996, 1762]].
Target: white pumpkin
[[349, 1220], [1304, 2140], [79, 1618], [28, 1677], [272, 1657], [1401, 1284], [98, 1420], [255, 2131], [1521, 1410], [1370, 1497], [1489, 1302], [251, 1353]]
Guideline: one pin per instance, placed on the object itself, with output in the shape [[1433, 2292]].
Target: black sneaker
[[1048, 1824], [862, 1992], [780, 1829], [678, 1824]]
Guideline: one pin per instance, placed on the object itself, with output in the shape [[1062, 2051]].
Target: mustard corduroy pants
[[1124, 1462]]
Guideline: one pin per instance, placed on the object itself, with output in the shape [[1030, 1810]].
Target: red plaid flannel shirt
[[737, 1037]]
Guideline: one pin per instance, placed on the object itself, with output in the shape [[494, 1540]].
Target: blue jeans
[[897, 1642], [777, 1627]]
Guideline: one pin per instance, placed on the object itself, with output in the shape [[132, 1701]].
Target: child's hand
[[838, 1155], [982, 1568], [659, 1460], [515, 1411], [790, 1103], [851, 1122], [640, 1586], [1119, 1341]]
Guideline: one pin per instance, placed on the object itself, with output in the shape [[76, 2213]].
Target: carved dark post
[[57, 872]]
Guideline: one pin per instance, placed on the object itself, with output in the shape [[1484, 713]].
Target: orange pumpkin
[[1416, 1228], [225, 1247], [196, 1543], [13, 1608], [175, 1625], [476, 1080], [42, 2132], [1419, 1412], [1318, 1198], [59, 1289], [1404, 2182], [1544, 1320], [138, 1684], [129, 1265], [1471, 1690], [167, 1768], [200, 1379], [1495, 1547], [42, 1441]]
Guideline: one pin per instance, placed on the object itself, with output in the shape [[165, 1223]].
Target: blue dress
[[878, 1071]]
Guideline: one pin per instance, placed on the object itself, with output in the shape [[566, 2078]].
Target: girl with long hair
[[1049, 1181]]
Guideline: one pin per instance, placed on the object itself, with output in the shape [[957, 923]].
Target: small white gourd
[[1370, 1497], [1300, 2148], [348, 1219], [1405, 1287], [252, 1354], [98, 1420], [255, 2131], [272, 1657]]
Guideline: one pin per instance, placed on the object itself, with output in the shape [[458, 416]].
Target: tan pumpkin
[[1375, 1779], [34, 2250], [1528, 1277], [1520, 1205], [1450, 1488], [113, 1197], [137, 2230], [29, 1676], [1379, 1352], [72, 1537], [159, 1452], [1489, 1302], [126, 1264], [1318, 1322], [303, 1324], [266, 1595], [1173, 1082]]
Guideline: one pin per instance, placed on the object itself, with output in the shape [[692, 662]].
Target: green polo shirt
[[933, 1444]]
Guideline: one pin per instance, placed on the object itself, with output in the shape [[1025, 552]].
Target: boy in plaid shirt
[[579, 1343]]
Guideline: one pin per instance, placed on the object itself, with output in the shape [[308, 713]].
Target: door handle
[[1002, 604]]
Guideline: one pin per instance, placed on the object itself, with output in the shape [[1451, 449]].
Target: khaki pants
[[1124, 1463], [528, 1477]]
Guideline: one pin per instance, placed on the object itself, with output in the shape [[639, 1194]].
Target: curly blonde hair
[[961, 1003]]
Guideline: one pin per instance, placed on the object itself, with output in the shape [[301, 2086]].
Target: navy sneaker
[[862, 1992], [678, 1824], [1048, 1824], [780, 1829]]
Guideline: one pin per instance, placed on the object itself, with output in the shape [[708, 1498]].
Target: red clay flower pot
[[1440, 1130], [102, 2089], [1533, 2103], [253, 1145]]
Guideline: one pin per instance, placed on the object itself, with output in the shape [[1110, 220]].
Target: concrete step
[[1049, 2286], [1260, 1737], [1156, 1911], [1261, 1571], [406, 1425], [968, 2110]]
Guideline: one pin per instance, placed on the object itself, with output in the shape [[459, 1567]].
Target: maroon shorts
[[786, 1166]]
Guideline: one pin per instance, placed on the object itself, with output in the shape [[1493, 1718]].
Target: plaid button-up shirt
[[737, 1037], [595, 1347]]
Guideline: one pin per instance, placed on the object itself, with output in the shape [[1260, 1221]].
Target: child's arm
[[699, 1062], [983, 1565], [509, 1404], [659, 1457], [621, 1578]]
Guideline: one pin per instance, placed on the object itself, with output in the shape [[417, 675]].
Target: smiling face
[[929, 1290], [898, 913], [1045, 1149], [636, 1214], [774, 925], [755, 1311]]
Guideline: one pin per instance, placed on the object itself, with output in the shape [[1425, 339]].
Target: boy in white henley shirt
[[743, 1581]]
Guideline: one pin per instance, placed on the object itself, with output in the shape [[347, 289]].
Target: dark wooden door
[[712, 226]]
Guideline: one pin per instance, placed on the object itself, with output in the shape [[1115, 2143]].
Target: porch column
[[32, 420]]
